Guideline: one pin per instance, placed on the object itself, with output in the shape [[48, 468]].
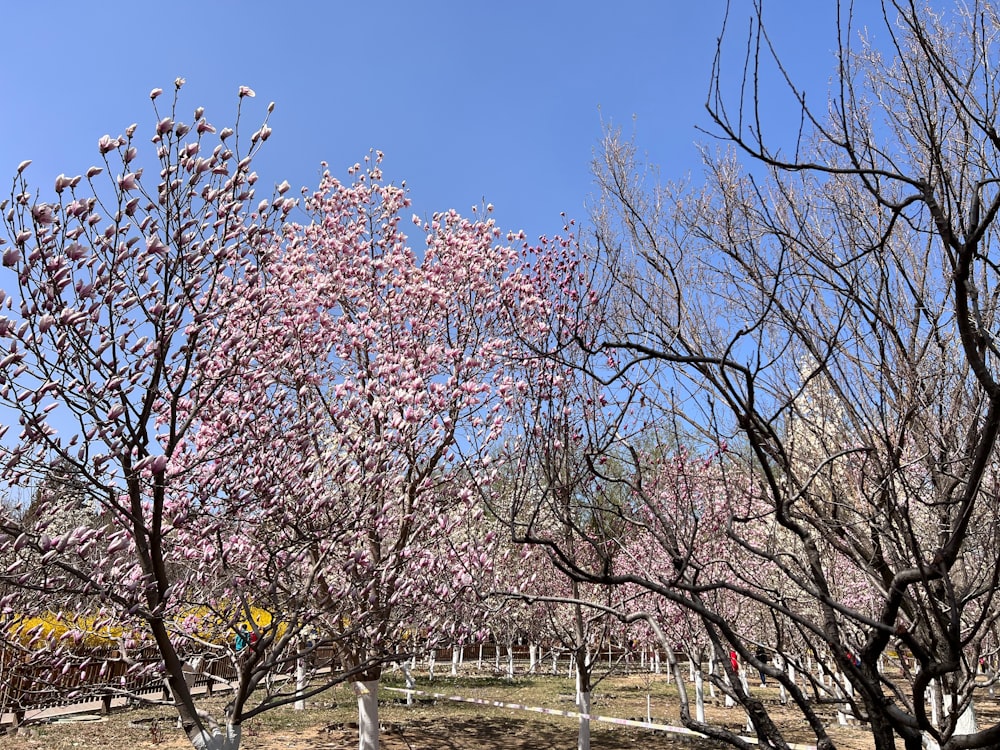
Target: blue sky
[[470, 101]]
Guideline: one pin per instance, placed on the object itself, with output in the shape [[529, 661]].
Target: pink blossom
[[128, 181], [43, 213]]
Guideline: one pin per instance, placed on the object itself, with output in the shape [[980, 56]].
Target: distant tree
[[62, 501]]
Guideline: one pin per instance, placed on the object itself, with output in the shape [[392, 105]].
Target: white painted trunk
[[849, 694], [583, 701], [532, 658], [711, 671], [691, 669], [300, 682], [216, 738], [456, 656], [841, 713], [779, 663], [555, 662], [642, 659], [699, 697], [656, 661], [934, 703], [367, 693], [411, 685], [479, 663], [967, 723], [510, 661], [649, 710], [431, 663]]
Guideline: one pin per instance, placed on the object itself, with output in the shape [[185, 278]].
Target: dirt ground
[[328, 723]]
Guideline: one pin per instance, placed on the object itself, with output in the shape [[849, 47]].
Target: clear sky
[[470, 101]]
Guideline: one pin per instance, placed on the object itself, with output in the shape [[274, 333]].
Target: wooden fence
[[35, 682], [31, 682]]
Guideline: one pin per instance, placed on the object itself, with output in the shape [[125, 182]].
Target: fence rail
[[34, 682]]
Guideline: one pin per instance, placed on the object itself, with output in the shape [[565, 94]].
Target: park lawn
[[430, 724]]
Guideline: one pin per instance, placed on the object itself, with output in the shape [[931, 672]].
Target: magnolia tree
[[827, 310], [118, 290], [384, 365]]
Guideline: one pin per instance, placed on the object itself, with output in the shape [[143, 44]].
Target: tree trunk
[[368, 728], [841, 707], [967, 723], [411, 685], [583, 702], [215, 738], [711, 671], [300, 681], [699, 697], [781, 663], [933, 697]]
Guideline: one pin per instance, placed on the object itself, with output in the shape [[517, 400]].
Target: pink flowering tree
[[118, 289], [384, 365]]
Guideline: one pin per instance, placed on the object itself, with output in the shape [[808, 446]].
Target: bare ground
[[438, 725]]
